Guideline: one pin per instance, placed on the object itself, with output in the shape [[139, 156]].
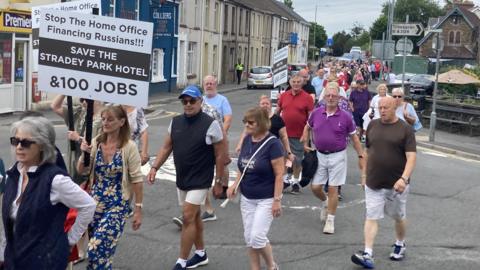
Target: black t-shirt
[[387, 145], [276, 124]]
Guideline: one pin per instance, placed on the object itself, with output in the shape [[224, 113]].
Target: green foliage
[[378, 27], [320, 35], [453, 90], [341, 43], [288, 3]]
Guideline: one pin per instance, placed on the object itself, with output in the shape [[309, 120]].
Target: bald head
[[210, 85], [387, 107], [305, 76]]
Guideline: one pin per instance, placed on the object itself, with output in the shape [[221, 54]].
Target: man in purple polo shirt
[[359, 103], [331, 128]]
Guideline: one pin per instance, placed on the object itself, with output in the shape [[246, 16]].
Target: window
[[111, 8], [225, 20], [191, 53], [207, 16], [5, 58], [215, 60], [233, 20], [182, 12], [455, 20], [247, 29], [256, 57], [216, 18], [197, 15], [157, 65], [454, 38], [240, 15], [457, 38], [451, 37]]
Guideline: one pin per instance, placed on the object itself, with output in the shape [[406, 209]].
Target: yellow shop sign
[[15, 22]]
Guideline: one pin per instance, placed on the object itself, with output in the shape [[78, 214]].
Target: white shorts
[[257, 218], [381, 201], [196, 196], [331, 168]]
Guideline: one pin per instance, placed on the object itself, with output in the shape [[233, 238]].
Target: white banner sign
[[80, 6], [280, 68], [95, 57]]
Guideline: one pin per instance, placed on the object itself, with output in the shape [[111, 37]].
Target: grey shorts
[[297, 149], [386, 201]]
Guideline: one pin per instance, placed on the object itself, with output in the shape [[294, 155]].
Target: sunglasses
[[251, 123], [25, 143], [191, 101], [397, 96]]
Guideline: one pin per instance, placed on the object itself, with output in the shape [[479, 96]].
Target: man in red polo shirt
[[294, 106]]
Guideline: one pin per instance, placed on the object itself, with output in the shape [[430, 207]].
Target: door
[[20, 75]]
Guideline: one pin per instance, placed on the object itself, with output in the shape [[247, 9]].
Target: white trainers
[[323, 213], [329, 227]]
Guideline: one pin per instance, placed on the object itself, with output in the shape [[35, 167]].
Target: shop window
[[5, 58], [157, 65]]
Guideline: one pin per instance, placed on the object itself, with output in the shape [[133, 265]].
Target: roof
[[292, 14], [470, 17], [274, 7], [451, 52]]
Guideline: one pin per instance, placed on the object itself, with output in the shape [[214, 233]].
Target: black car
[[422, 83]]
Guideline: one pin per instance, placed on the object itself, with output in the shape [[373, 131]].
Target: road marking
[[433, 152], [318, 208]]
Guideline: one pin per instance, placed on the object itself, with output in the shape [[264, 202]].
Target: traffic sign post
[[407, 29]]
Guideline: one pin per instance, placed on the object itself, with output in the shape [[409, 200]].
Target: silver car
[[260, 76]]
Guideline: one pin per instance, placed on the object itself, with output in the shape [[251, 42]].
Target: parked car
[[295, 68], [408, 76], [356, 49], [422, 83], [260, 76]]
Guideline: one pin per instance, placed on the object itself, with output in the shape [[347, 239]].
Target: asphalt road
[[442, 209]]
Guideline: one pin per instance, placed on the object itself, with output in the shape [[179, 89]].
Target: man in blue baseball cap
[[195, 139]]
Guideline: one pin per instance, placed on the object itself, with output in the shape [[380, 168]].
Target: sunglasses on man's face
[[191, 101], [25, 143], [397, 96]]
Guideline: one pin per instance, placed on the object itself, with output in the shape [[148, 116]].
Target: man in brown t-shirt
[[390, 159]]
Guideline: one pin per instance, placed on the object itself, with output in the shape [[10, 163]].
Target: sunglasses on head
[[397, 96], [251, 123], [25, 143], [191, 101]]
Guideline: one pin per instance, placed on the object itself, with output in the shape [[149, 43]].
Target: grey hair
[[398, 90], [42, 132]]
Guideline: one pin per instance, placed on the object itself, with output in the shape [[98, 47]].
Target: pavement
[[449, 143]]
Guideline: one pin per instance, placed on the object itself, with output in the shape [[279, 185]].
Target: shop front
[[15, 78]]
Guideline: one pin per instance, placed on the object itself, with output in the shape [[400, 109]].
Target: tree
[[340, 43], [356, 30], [418, 10], [378, 27], [320, 35], [288, 3]]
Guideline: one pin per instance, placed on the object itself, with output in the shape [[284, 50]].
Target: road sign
[[280, 69], [330, 42], [385, 49], [407, 29], [95, 57], [401, 44]]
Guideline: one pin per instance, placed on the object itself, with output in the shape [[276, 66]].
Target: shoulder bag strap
[[250, 160]]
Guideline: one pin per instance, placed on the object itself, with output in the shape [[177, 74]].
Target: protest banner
[[280, 69], [95, 57], [79, 6]]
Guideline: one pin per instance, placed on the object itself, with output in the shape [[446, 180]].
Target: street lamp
[[438, 46]]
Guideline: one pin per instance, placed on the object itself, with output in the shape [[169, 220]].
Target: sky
[[340, 15]]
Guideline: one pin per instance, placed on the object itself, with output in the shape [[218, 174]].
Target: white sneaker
[[323, 213], [329, 227]]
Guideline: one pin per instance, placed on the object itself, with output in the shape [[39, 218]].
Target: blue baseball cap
[[191, 91]]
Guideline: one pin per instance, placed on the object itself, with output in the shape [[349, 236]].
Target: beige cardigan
[[131, 167]]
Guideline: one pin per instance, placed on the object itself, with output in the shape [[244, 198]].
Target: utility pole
[[404, 56], [433, 115], [314, 34]]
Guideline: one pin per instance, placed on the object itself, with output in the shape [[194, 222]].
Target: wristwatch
[[278, 198], [139, 205], [218, 180], [406, 180]]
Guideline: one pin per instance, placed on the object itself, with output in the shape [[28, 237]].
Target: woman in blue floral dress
[[115, 178]]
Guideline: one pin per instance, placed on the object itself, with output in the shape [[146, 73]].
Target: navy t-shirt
[[259, 179]]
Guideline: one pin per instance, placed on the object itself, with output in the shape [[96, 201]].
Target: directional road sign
[[401, 43], [407, 29]]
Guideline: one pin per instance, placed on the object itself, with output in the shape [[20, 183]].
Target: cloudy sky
[[341, 14]]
